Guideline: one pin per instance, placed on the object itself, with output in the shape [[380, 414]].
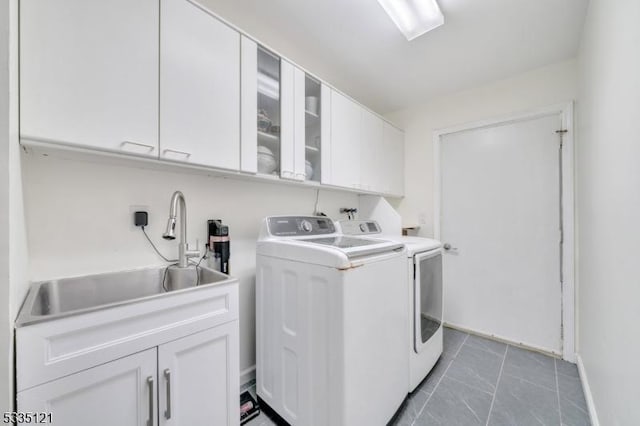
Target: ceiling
[[355, 46]]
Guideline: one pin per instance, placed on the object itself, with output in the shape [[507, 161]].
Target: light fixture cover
[[413, 17]]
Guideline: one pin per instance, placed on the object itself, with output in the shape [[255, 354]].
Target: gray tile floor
[[482, 382]]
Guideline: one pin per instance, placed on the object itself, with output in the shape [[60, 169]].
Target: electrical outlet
[[131, 216], [422, 219]]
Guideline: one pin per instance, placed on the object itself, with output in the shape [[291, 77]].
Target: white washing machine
[[330, 324], [425, 295]]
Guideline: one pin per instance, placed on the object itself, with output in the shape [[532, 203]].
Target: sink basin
[[70, 296]]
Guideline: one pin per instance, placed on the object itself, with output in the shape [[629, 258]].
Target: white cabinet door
[[89, 73], [372, 158], [325, 134], [287, 121], [199, 378], [249, 105], [346, 117], [393, 155], [199, 87], [299, 130], [121, 392]]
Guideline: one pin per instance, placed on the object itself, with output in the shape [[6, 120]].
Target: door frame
[[565, 110]]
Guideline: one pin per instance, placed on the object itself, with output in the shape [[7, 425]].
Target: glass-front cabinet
[[312, 128], [268, 113], [284, 133]]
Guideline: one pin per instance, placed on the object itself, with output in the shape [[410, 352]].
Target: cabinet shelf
[[269, 95], [311, 114], [312, 149], [269, 140]]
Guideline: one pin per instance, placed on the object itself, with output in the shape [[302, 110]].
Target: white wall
[[5, 323], [13, 248], [80, 220], [545, 86], [608, 117]]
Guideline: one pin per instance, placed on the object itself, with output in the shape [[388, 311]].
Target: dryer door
[[427, 291]]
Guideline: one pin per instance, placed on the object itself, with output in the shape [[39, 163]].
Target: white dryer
[[425, 295], [330, 324]]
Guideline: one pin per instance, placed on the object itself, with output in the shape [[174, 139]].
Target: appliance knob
[[363, 228], [306, 226]]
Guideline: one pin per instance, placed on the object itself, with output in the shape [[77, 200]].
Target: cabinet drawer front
[[47, 351]]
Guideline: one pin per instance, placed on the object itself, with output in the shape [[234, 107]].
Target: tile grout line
[[555, 369], [538, 385], [470, 386], [493, 400], [437, 384]]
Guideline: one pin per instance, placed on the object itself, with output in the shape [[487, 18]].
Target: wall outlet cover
[[131, 216]]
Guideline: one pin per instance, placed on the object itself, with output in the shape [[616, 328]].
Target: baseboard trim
[[505, 340], [247, 376], [587, 393]]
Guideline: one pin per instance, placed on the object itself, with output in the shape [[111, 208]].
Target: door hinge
[[561, 133]]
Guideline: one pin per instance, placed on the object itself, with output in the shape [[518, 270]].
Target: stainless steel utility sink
[[48, 300]]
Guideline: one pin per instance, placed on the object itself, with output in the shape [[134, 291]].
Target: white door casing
[[497, 200]]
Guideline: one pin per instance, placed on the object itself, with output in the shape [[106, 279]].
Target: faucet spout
[[178, 205]]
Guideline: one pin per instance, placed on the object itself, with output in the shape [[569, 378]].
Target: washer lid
[[328, 254], [416, 244], [355, 247]]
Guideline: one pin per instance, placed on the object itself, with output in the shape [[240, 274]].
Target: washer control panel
[[293, 226], [359, 227]]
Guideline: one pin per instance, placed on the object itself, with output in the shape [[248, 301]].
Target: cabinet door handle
[[175, 151], [150, 386], [144, 145], [167, 376]]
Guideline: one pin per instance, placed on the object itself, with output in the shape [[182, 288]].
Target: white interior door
[[500, 213]]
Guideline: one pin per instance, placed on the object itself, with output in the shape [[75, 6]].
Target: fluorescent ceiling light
[[413, 17]]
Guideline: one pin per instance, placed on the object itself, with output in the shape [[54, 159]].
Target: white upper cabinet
[[89, 73], [367, 153], [372, 159], [199, 87], [166, 79], [267, 112], [346, 134], [312, 128], [393, 165]]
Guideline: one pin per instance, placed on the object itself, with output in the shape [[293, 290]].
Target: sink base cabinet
[[190, 381], [174, 356], [121, 392]]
